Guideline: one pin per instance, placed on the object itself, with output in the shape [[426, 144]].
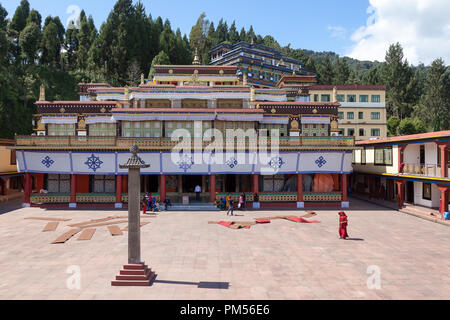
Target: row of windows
[[350, 98], [351, 115], [361, 132], [383, 156]]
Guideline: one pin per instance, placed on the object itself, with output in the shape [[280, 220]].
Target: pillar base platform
[[72, 205], [26, 205], [345, 204], [134, 275], [256, 205], [300, 205], [118, 205]]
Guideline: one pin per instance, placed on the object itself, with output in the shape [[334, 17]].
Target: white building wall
[[435, 196], [412, 154], [431, 153]]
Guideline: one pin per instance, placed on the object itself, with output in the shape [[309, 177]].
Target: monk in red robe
[[343, 225]]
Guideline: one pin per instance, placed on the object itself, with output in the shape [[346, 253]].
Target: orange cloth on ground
[[323, 182]]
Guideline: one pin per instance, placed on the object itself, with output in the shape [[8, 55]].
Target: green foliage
[[326, 73], [161, 59], [392, 125], [411, 126], [29, 42]]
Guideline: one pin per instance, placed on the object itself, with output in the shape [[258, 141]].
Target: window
[[103, 184], [383, 156], [362, 132], [350, 115], [316, 98], [363, 156], [58, 183], [12, 159], [341, 98], [102, 129], [375, 115], [61, 129], [325, 98], [341, 115], [351, 98], [376, 98], [353, 157], [426, 191], [363, 98], [360, 115], [375, 132], [351, 132]]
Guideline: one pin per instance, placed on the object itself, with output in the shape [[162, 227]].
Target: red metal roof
[[346, 87], [419, 136]]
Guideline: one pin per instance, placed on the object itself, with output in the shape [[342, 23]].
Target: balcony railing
[[426, 170], [167, 143]]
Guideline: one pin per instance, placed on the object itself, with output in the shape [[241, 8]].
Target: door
[[409, 192]]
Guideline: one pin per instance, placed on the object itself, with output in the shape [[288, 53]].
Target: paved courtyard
[[197, 260]]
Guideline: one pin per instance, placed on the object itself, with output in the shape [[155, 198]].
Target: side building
[[412, 169], [75, 154], [362, 111], [11, 181]]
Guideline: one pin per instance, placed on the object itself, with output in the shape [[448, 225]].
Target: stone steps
[[134, 275]]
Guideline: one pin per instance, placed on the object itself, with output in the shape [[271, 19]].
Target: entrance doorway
[[149, 183], [409, 192]]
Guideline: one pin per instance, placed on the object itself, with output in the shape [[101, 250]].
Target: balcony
[[91, 142], [424, 170]]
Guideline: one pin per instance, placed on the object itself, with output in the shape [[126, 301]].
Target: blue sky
[[346, 27]]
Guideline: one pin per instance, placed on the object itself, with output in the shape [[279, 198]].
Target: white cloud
[[337, 31], [422, 27]]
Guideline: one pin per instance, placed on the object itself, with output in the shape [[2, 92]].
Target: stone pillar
[[300, 202], [444, 159], [162, 188], [134, 236], [401, 193], [401, 151], [344, 189], [27, 189], [119, 181], [255, 189], [444, 199], [180, 184], [73, 191], [212, 188]]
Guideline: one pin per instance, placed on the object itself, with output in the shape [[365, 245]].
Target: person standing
[[230, 207], [343, 222], [144, 205], [227, 200], [197, 190], [242, 201]]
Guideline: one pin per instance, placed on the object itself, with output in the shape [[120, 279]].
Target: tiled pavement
[[281, 260]]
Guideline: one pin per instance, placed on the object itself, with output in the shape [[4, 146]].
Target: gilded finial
[[142, 79], [42, 93], [196, 58]]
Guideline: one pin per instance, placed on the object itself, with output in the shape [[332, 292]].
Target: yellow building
[[362, 113], [10, 179]]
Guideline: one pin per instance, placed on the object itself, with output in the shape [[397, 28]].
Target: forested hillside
[[35, 51]]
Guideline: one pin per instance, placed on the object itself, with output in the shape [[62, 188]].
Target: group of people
[[150, 203], [227, 203]]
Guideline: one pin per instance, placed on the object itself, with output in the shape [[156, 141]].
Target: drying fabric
[[323, 182]]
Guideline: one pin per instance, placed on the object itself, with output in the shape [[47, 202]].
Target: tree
[[435, 102], [341, 72], [50, 45], [411, 126], [392, 124], [198, 38], [326, 74], [372, 77], [160, 59], [353, 79], [3, 15], [35, 17], [29, 42], [397, 75], [134, 74], [19, 20], [233, 34]]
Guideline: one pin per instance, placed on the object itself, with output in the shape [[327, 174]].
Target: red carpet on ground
[[301, 220], [262, 220]]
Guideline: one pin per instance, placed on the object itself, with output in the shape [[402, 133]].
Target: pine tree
[[342, 72], [326, 73], [29, 42], [243, 35], [50, 45], [19, 20], [233, 34], [198, 38], [435, 102]]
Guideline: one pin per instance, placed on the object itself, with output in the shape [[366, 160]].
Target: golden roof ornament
[[62, 110], [244, 81], [252, 94], [196, 58], [42, 93], [126, 94], [142, 79]]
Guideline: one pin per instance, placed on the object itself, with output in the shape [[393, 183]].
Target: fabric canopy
[[176, 117], [317, 120], [275, 120], [102, 119], [59, 119]]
